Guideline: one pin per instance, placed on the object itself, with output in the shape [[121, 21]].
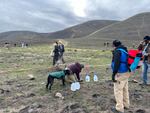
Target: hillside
[[83, 29], [23, 36], [133, 28], [80, 30]]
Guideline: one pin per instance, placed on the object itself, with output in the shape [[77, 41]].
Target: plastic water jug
[[87, 78], [95, 78], [77, 85], [73, 87]]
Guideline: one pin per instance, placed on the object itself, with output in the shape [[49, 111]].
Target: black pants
[[55, 59]]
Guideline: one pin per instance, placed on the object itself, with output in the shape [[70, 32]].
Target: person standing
[[56, 53], [120, 77], [62, 50], [146, 61]]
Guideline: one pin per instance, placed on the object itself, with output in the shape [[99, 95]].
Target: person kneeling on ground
[[75, 68]]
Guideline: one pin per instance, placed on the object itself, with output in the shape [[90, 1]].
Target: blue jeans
[[145, 64]]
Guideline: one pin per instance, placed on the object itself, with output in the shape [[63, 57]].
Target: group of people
[[58, 52], [75, 68], [120, 68], [121, 72]]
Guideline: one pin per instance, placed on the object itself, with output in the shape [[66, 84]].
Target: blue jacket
[[120, 60]]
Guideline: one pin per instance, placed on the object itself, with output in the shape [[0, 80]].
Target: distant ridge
[[133, 28], [83, 29], [77, 31]]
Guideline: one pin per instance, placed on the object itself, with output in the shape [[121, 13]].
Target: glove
[[113, 77]]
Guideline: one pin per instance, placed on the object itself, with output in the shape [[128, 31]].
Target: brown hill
[[133, 28], [23, 36], [82, 30]]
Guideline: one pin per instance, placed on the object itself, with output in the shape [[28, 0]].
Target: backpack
[[134, 58], [132, 54]]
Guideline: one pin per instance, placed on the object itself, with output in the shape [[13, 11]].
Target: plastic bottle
[[87, 78], [95, 78]]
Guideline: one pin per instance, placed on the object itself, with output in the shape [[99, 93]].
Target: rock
[[59, 95], [31, 77]]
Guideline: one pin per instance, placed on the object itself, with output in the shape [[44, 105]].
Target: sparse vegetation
[[19, 94]]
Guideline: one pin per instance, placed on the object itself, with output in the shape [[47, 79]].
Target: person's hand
[[113, 78]]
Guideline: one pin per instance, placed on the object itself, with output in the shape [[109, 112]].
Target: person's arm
[[78, 75], [116, 58], [117, 55], [54, 49]]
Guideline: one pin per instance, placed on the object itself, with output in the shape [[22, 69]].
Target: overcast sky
[[53, 15]]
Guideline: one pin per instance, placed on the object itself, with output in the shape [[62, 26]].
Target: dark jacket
[[75, 68], [116, 59], [56, 50]]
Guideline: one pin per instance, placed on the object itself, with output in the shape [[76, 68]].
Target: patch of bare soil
[[21, 95]]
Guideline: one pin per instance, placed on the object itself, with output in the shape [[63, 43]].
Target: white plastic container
[[73, 87], [77, 85], [95, 78], [87, 78]]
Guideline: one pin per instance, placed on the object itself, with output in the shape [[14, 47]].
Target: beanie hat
[[146, 38], [116, 43]]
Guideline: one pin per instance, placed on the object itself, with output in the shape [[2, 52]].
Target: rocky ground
[[19, 93]]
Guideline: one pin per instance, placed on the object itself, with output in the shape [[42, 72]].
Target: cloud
[[53, 15]]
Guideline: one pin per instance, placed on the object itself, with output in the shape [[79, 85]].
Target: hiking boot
[[114, 110]]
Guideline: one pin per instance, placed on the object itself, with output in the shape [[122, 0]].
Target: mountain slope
[[82, 30], [23, 36], [133, 28]]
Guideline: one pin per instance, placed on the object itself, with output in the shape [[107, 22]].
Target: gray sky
[[54, 15]]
